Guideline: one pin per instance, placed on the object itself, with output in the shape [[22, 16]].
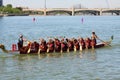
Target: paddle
[[28, 50], [39, 51], [29, 47], [106, 42], [81, 48]]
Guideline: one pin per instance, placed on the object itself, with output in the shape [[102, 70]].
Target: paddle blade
[[28, 50]]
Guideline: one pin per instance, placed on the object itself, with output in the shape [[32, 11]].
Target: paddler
[[94, 37]]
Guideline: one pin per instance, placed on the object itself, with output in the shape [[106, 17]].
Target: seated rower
[[57, 45], [87, 43], [70, 45], [31, 46], [64, 46], [82, 43], [93, 43], [76, 45], [50, 46], [42, 46]]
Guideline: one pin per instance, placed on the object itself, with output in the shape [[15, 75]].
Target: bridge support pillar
[[45, 12], [100, 12], [73, 11]]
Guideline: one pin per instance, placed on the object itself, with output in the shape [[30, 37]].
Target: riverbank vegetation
[[9, 10]]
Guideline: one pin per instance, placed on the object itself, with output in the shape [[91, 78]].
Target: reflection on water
[[89, 54], [88, 63], [41, 63]]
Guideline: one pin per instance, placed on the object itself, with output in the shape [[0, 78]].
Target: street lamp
[[45, 4]]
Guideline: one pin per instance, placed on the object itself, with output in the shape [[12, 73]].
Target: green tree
[[16, 11], [9, 10], [1, 8], [9, 6]]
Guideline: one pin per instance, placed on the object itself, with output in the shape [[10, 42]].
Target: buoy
[[82, 20], [33, 19]]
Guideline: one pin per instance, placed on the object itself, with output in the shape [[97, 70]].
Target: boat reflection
[[87, 54]]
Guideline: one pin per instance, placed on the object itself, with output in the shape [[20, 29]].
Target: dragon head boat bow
[[3, 48]]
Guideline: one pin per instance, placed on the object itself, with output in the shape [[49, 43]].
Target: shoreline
[[1, 15], [4, 15]]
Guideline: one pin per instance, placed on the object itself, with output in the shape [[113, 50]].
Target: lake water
[[100, 64]]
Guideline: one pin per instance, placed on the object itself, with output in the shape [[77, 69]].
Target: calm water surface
[[100, 64]]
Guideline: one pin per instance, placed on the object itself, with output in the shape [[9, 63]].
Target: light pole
[[45, 8], [108, 5], [45, 4]]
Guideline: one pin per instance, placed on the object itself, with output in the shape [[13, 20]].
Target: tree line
[[8, 9]]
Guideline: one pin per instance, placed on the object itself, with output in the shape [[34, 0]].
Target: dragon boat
[[38, 49]]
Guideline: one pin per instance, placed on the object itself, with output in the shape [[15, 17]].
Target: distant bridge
[[73, 11]]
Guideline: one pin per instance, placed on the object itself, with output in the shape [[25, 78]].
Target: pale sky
[[63, 3]]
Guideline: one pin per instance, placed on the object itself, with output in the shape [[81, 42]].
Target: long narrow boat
[[25, 49]]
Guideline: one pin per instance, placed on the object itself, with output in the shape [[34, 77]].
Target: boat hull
[[36, 52]]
